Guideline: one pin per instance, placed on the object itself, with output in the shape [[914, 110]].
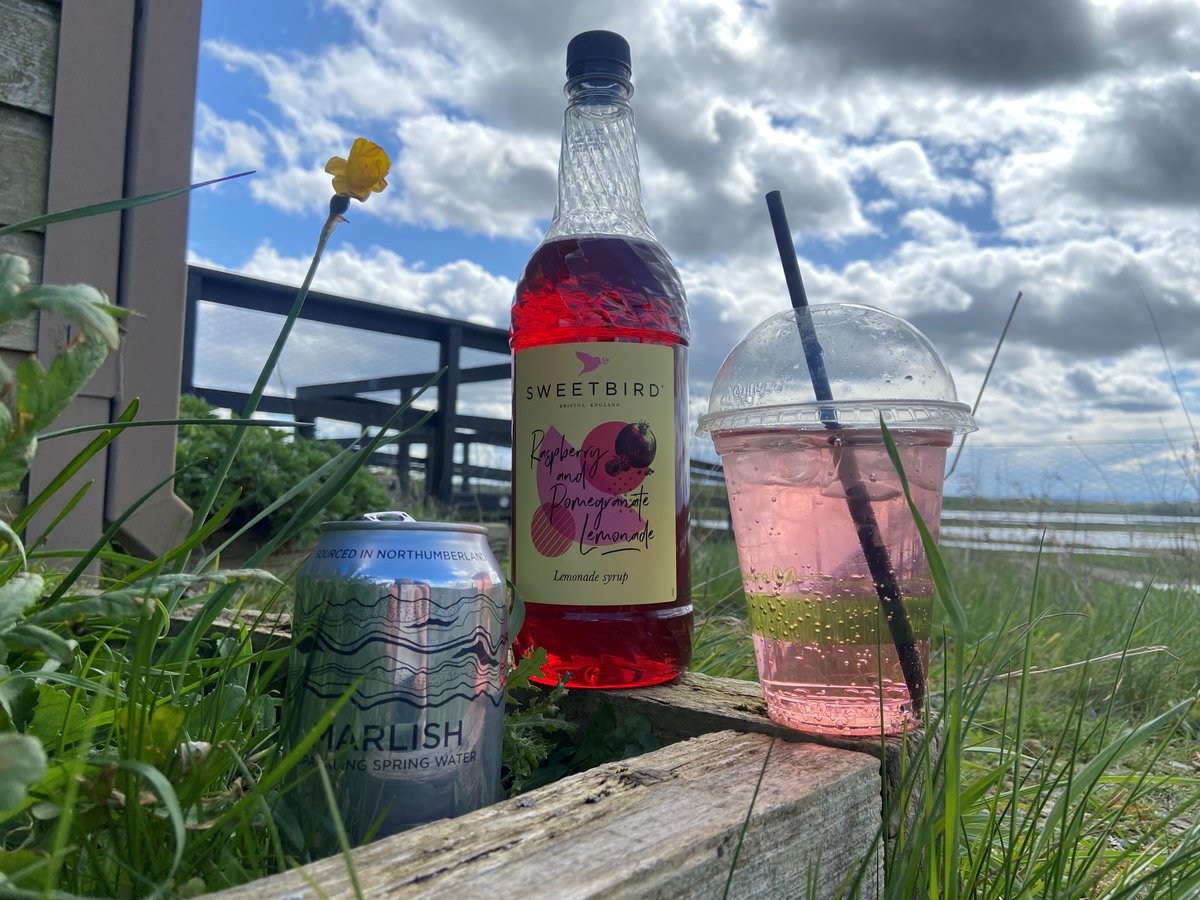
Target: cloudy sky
[[936, 157]]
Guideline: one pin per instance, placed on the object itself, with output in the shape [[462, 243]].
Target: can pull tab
[[394, 515]]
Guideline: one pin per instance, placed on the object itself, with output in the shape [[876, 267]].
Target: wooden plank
[[87, 165], [28, 54], [267, 630], [154, 268], [661, 825], [400, 382], [24, 174], [231, 289], [19, 335], [697, 704]]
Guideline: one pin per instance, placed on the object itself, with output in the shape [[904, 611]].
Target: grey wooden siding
[[97, 102], [28, 53]]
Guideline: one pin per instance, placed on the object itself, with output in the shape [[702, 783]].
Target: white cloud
[[904, 169], [478, 179], [460, 290], [224, 146]]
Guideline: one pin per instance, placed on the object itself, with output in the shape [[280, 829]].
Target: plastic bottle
[[600, 415]]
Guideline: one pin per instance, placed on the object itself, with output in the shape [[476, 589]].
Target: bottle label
[[594, 457]]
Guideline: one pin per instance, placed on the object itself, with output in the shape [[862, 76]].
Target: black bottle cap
[[599, 52]]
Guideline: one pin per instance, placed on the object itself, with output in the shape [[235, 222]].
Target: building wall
[[97, 102], [28, 53]]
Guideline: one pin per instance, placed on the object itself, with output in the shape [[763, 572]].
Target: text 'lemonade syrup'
[[600, 445], [825, 654]]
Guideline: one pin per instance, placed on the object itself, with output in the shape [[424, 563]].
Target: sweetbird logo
[[590, 363]]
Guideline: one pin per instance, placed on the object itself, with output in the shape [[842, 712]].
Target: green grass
[[1070, 767]]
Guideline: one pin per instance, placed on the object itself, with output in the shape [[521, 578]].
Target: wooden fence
[[447, 434], [443, 433]]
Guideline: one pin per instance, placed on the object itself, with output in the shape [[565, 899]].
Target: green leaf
[[39, 640], [516, 615], [121, 605], [22, 762], [13, 862], [14, 276], [81, 303], [937, 566], [57, 717], [528, 666], [37, 396], [153, 735], [22, 591], [166, 793], [14, 539], [43, 393], [70, 469], [1083, 779], [18, 697]]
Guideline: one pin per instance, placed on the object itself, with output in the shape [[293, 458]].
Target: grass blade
[[99, 209], [80, 459], [986, 376]]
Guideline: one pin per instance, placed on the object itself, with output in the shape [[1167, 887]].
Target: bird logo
[[590, 363]]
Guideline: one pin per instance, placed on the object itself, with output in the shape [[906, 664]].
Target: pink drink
[[826, 657]]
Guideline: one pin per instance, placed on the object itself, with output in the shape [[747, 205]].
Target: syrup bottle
[[600, 414]]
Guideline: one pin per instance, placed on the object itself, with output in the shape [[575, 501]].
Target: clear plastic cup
[[813, 496]]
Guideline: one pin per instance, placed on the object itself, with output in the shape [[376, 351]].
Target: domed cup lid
[[878, 365]]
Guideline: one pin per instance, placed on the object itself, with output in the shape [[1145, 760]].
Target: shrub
[[269, 462]]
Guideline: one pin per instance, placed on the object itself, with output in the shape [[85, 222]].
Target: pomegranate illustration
[[637, 444], [625, 450]]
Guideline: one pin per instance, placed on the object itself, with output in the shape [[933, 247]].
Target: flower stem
[[337, 205]]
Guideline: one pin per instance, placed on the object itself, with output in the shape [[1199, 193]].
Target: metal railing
[[444, 431]]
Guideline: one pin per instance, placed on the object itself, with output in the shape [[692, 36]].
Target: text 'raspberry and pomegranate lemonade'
[[600, 445]]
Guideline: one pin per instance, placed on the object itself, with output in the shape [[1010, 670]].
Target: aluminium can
[[404, 623]]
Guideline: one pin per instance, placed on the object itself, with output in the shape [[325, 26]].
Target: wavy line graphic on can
[[422, 701], [393, 608], [479, 643], [411, 661]]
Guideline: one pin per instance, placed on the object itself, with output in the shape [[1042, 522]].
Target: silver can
[[406, 623]]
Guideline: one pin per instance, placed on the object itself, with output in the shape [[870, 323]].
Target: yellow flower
[[365, 171]]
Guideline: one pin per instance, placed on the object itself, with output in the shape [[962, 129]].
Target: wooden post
[[440, 464], [123, 100], [403, 457]]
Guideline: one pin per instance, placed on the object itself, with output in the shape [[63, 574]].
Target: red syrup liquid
[[608, 288]]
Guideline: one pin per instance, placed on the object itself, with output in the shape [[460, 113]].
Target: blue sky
[[936, 158]]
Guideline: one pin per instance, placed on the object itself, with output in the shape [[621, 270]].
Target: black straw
[[857, 498]]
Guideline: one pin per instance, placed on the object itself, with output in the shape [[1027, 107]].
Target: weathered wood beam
[[664, 824], [472, 375], [244, 292]]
